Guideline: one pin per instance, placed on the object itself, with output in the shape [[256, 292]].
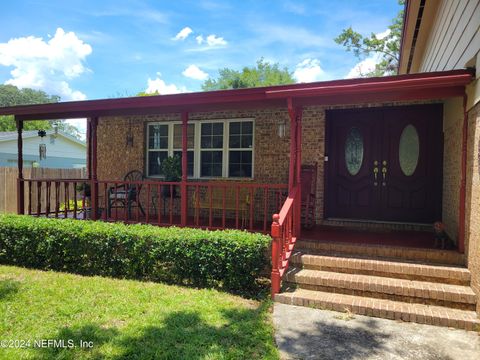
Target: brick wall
[[472, 241], [452, 164]]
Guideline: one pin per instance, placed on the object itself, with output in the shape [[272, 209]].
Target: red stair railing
[[284, 233]]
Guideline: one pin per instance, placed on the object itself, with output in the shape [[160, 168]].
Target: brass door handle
[[375, 172], [384, 173]]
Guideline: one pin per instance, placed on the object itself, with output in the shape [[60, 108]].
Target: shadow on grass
[[8, 288], [245, 334]]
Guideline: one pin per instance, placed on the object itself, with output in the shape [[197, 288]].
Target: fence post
[[275, 276]]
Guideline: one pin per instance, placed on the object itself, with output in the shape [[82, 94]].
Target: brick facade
[[472, 241], [271, 153]]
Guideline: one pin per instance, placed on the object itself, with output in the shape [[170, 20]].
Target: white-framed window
[[216, 148]]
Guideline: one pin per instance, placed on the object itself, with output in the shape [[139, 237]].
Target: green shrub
[[231, 258]]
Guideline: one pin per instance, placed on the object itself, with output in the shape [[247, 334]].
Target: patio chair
[[127, 195], [308, 177]]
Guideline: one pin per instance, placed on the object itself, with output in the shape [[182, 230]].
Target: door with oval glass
[[385, 163]]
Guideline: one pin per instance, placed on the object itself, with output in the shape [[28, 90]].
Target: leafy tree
[[263, 74], [10, 96], [388, 47]]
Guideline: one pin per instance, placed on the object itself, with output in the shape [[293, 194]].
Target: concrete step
[[383, 308], [447, 274], [431, 256], [410, 291]]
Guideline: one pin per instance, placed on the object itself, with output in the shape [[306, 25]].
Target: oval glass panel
[[354, 151], [409, 150]]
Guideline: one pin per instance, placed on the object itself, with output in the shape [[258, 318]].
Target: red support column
[[183, 184], [89, 149], [93, 167], [293, 138], [20, 183], [298, 218]]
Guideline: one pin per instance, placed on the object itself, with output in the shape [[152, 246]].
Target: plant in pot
[[171, 169]]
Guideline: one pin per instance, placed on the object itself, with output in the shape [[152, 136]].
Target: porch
[[289, 127]]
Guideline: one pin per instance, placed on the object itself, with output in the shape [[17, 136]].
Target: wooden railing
[[285, 229], [213, 205]]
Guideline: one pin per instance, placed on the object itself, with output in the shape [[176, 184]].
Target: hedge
[[232, 259]]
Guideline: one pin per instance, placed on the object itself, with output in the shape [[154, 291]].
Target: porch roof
[[435, 85]]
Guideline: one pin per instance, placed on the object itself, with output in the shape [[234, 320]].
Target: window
[[214, 148], [157, 148], [211, 156], [240, 159], [177, 145]]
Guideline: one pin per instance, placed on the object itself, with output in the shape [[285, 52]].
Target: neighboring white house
[[62, 150]]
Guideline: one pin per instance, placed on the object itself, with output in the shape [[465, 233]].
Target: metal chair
[[308, 178], [127, 195]]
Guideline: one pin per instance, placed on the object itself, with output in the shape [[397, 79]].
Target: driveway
[[305, 333]]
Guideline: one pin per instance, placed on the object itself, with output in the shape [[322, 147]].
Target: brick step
[[433, 256], [396, 269], [410, 291], [388, 309]]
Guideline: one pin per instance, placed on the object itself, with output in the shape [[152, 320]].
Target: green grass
[[128, 319]]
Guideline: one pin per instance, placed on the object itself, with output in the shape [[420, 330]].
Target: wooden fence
[[8, 182]]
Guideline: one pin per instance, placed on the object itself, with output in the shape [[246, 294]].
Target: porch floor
[[414, 239]]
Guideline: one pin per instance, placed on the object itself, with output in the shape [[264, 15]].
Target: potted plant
[[171, 169]]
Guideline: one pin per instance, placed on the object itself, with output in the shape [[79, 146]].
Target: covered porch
[[269, 200]]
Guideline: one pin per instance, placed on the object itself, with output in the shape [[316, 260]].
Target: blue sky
[[103, 49]]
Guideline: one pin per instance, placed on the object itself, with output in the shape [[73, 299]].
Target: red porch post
[[20, 183], [183, 184], [93, 167], [298, 213], [293, 138]]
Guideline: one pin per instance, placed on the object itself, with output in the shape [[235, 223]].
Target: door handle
[[375, 172], [384, 172]]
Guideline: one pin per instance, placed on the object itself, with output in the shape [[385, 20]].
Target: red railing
[[213, 205], [285, 229]]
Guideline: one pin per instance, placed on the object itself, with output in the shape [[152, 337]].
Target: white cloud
[[183, 34], [80, 124], [367, 65], [364, 67], [308, 70], [46, 65], [194, 72], [211, 40], [214, 40], [160, 86]]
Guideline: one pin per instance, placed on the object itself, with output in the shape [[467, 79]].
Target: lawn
[[125, 319]]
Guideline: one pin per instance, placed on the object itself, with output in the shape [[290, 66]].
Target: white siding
[[454, 37], [61, 147]]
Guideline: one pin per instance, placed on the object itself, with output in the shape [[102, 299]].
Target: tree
[[263, 74], [10, 96], [388, 47]]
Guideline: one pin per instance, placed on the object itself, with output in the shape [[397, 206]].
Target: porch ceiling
[[423, 86]]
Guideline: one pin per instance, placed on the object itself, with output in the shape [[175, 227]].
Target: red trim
[[430, 83], [93, 168], [183, 185], [20, 185], [463, 181]]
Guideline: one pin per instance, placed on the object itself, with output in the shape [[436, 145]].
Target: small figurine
[[440, 234]]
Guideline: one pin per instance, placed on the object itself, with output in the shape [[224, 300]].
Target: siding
[[454, 37]]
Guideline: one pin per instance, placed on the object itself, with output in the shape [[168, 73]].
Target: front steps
[[388, 287]]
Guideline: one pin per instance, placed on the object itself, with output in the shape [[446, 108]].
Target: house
[[392, 156], [62, 150]]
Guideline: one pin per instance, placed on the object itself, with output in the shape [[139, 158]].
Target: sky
[[88, 49]]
